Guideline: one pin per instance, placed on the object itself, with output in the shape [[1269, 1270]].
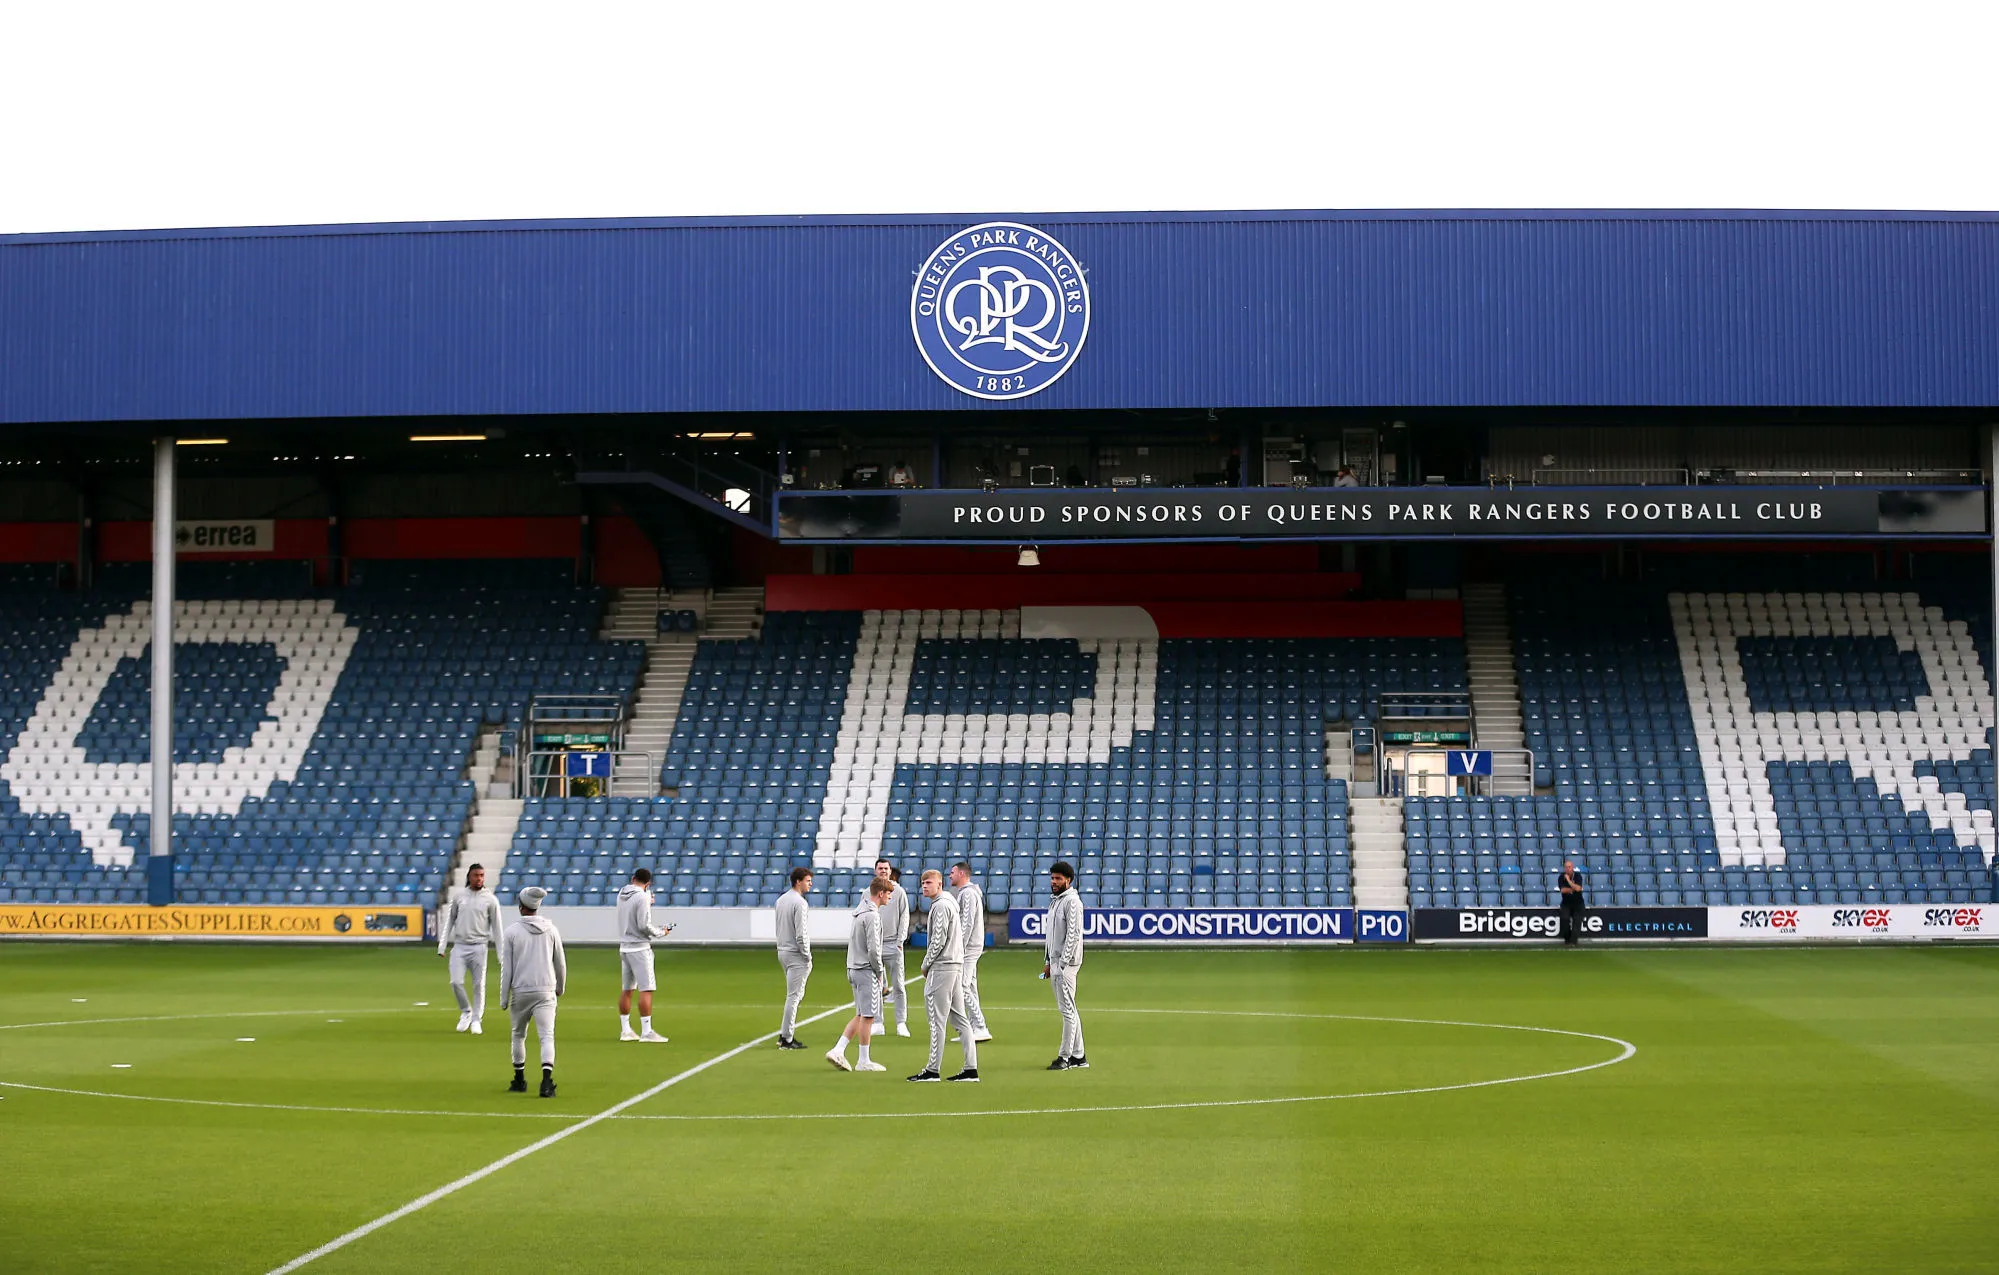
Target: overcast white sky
[[128, 115]]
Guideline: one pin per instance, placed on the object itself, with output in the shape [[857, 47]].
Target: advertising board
[[1524, 924], [1197, 925], [63, 920]]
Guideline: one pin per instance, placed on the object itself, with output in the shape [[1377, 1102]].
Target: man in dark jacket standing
[[1570, 883]]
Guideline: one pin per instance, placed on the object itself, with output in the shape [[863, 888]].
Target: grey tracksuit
[[635, 935], [794, 953], [1064, 947], [864, 960], [895, 932], [943, 999], [864, 941], [972, 912], [635, 928], [533, 974], [470, 926]]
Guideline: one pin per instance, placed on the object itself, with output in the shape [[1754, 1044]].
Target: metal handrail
[[526, 780], [1391, 779], [1834, 477], [1385, 702], [1594, 476], [605, 706], [1716, 476]]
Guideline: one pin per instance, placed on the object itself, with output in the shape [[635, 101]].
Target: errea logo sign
[[1000, 310], [245, 535]]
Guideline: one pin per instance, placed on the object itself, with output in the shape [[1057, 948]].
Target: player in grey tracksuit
[[470, 926], [533, 976], [1064, 947], [972, 912], [943, 999], [864, 975], [794, 951], [895, 932], [636, 933]]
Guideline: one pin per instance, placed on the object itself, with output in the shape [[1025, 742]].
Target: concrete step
[[1380, 861]]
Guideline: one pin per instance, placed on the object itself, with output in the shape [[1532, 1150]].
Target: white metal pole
[[160, 855]]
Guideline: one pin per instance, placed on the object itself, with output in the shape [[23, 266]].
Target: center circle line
[[1628, 1050]]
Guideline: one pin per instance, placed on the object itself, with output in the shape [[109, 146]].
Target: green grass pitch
[[1810, 1110]]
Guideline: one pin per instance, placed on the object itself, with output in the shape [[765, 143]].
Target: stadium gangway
[[544, 773], [1392, 779]]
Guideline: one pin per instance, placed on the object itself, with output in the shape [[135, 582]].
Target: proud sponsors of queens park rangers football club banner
[[1195, 925]]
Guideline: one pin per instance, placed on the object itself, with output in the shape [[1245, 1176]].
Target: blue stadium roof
[[1188, 310]]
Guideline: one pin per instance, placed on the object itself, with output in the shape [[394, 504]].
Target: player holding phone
[[636, 933]]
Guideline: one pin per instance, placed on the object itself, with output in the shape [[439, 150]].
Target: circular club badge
[[1000, 310]]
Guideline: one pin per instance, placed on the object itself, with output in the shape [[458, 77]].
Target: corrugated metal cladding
[[1189, 311]]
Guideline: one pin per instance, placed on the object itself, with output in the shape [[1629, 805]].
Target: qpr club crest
[[1000, 310]]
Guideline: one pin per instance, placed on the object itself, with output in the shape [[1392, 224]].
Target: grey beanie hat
[[531, 896]]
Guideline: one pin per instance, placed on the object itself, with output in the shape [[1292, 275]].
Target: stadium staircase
[[1495, 691], [1380, 862], [496, 813], [734, 614], [1339, 753], [634, 617]]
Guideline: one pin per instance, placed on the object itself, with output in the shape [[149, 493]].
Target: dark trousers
[[1572, 918]]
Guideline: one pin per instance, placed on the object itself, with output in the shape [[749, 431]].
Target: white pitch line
[[477, 1175], [183, 1018], [1629, 1050], [281, 1106]]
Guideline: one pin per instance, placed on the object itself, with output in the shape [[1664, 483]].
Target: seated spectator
[[900, 476], [1344, 477]]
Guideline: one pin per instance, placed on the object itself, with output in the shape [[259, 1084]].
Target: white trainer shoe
[[478, 1028], [869, 1065], [982, 1038], [839, 1060], [902, 1029], [652, 1038], [625, 1032], [464, 1021]]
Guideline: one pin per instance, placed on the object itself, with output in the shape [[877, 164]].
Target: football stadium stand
[[1728, 743], [321, 743], [1719, 748], [1178, 772]]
